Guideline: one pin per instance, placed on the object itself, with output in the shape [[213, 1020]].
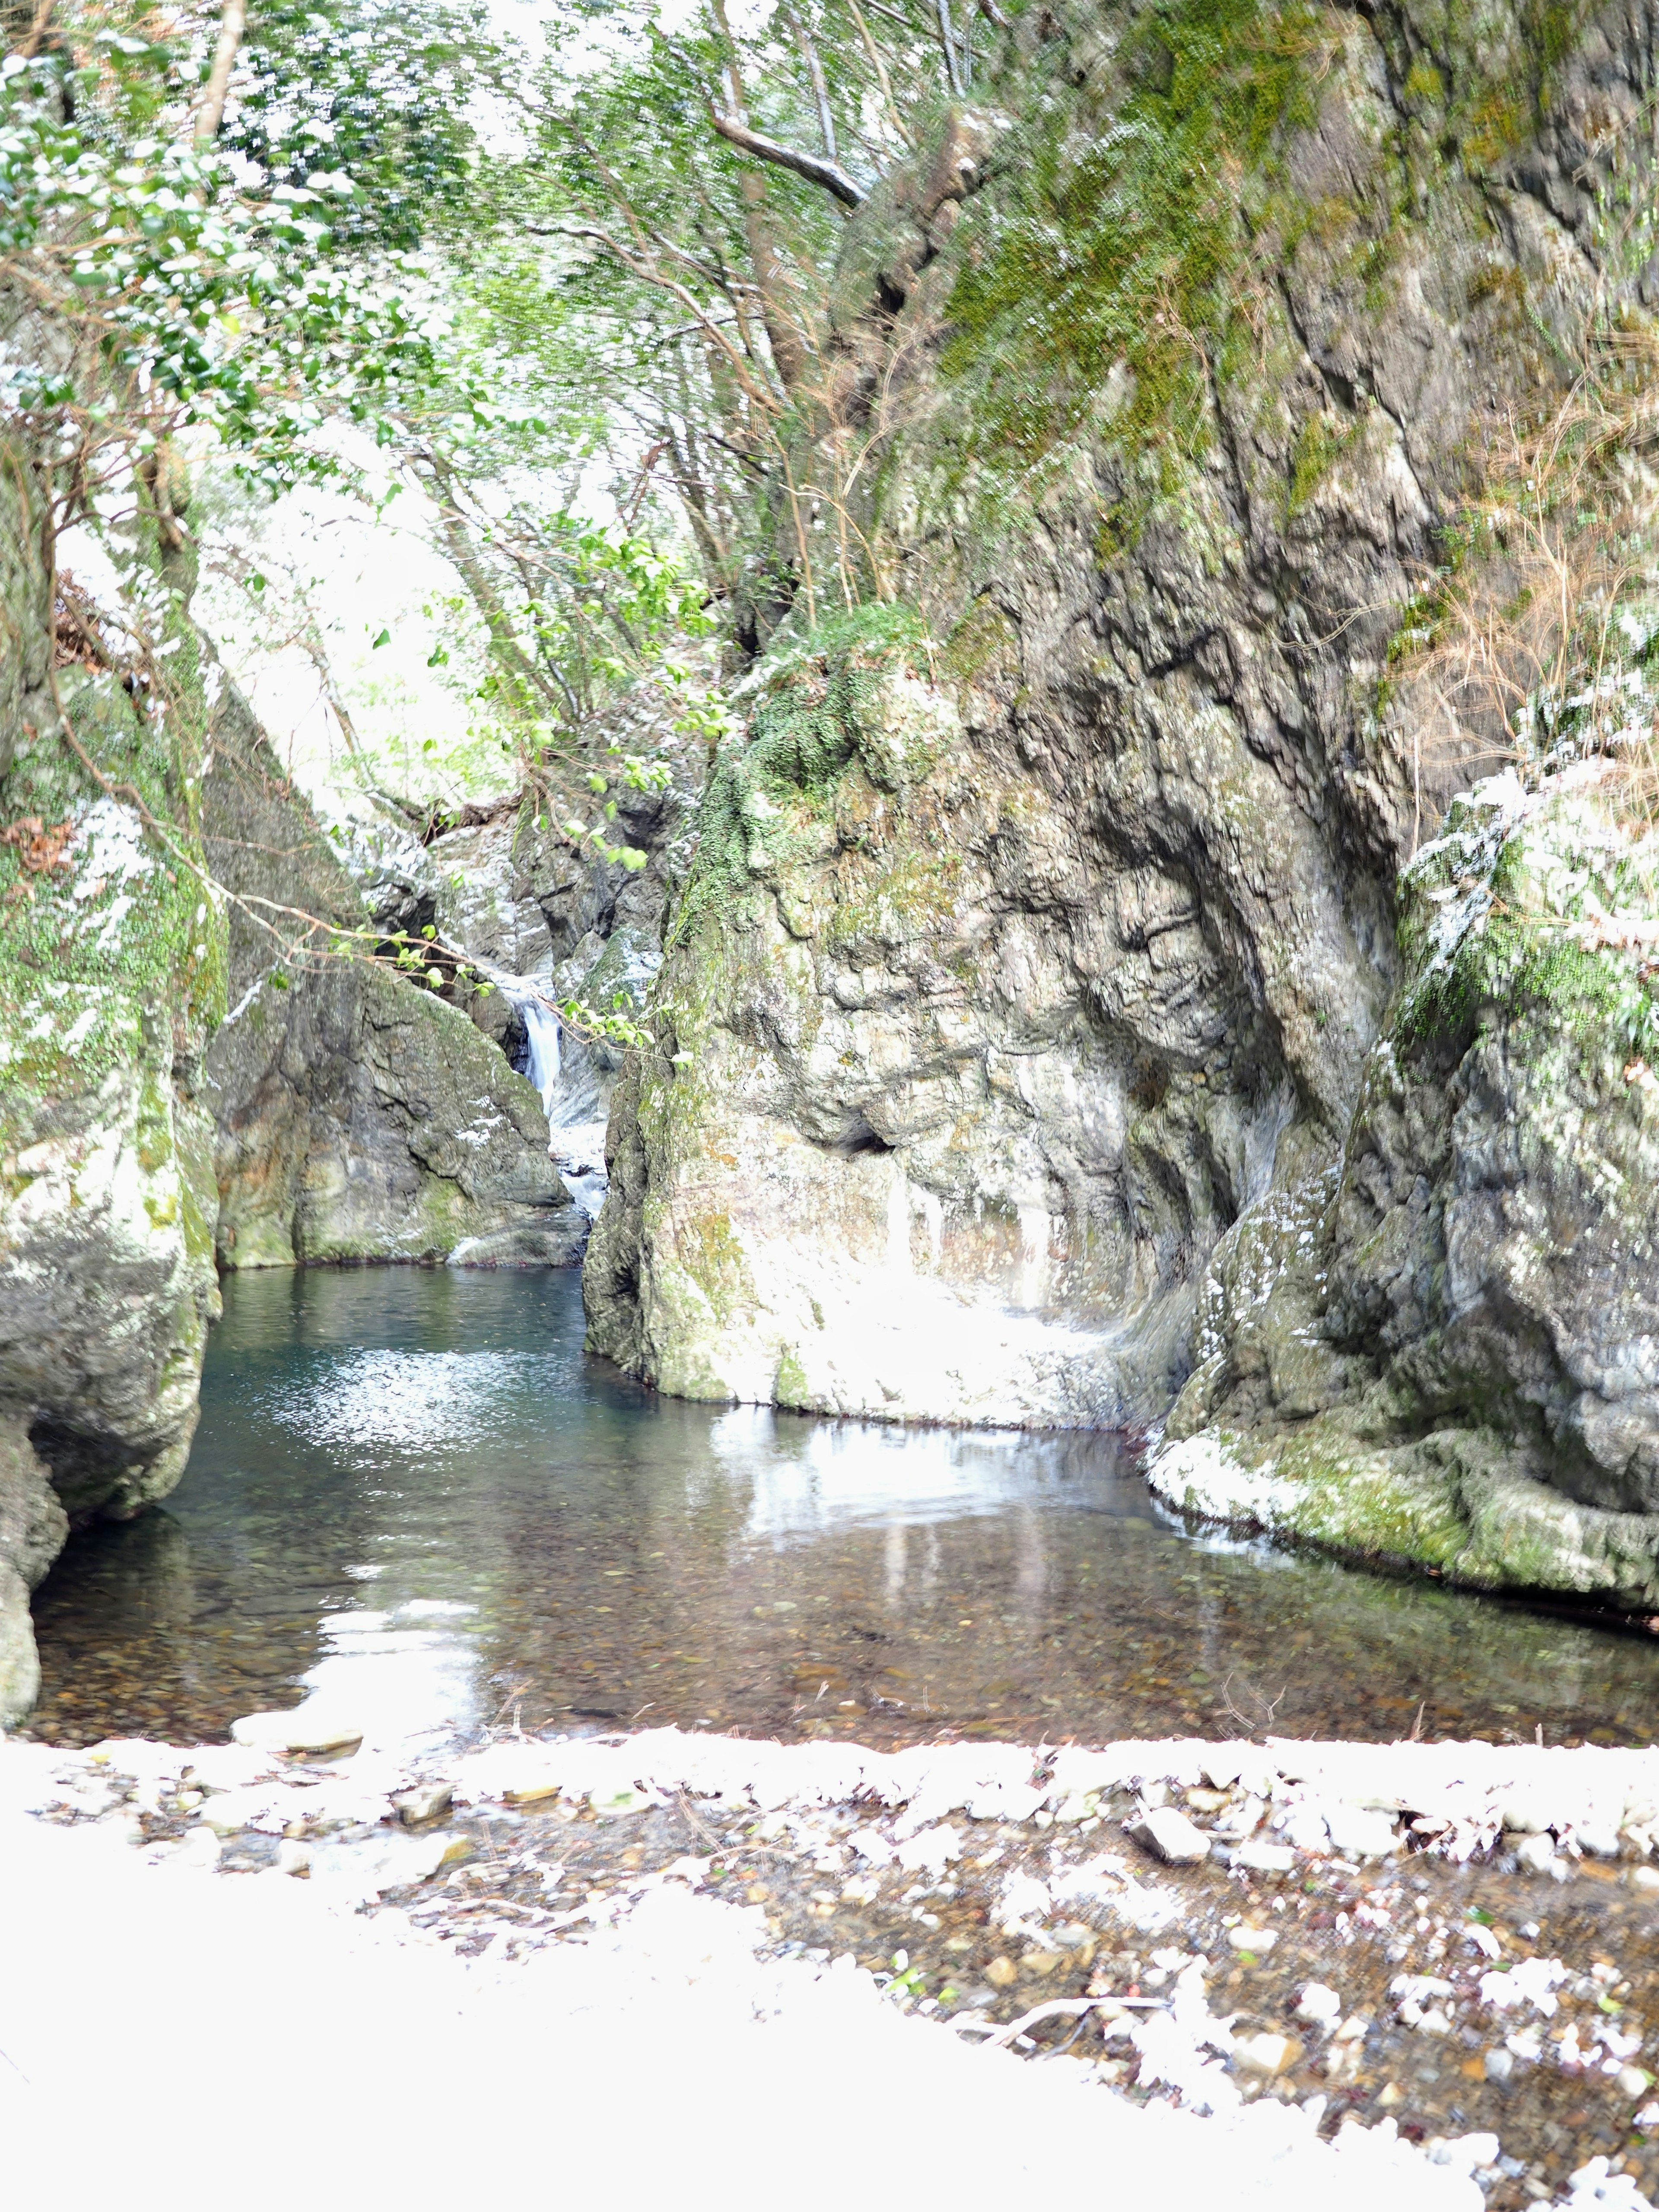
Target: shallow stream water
[[412, 1493]]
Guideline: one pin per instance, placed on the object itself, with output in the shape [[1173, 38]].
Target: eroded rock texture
[[1024, 954], [518, 897]]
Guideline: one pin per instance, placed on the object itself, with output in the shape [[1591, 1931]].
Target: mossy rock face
[[1476, 1294], [852, 1177], [111, 978], [1178, 352]]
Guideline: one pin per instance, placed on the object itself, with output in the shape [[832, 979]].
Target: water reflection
[[412, 1496]]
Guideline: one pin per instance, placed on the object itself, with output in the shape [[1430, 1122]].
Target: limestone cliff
[[1042, 922]]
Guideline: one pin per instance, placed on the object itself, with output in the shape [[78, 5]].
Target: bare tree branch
[[947, 39], [210, 115], [833, 178], [37, 30], [905, 135], [756, 394], [808, 54]]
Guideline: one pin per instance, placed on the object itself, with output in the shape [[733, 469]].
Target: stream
[[412, 1493]]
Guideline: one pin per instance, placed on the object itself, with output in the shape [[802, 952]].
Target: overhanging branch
[[816, 170]]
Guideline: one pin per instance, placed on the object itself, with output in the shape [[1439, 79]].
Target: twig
[[1057, 2009]]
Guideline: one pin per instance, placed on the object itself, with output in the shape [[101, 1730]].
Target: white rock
[[1262, 1857], [1359, 1832], [931, 1852], [1498, 2065], [1264, 2053], [1026, 1900], [1257, 1940], [1414, 1992], [1634, 2082], [1169, 1835], [293, 1857], [1303, 1825], [1533, 1981], [1071, 1810], [226, 1766], [201, 1847], [228, 1812], [1601, 1841], [1319, 2006], [1241, 1818], [1593, 2186], [300, 1734], [392, 1861], [1464, 2153], [610, 1800], [425, 1801], [1535, 1853], [871, 1844], [1004, 1800], [1522, 1814]]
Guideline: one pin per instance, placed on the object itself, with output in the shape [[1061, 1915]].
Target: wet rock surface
[[111, 976], [1018, 961]]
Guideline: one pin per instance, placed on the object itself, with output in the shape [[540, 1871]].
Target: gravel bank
[[1242, 1971]]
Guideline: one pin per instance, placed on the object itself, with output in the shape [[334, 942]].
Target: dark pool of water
[[410, 1492]]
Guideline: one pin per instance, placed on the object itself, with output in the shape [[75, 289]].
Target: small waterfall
[[563, 1072], [542, 1026], [578, 1147]]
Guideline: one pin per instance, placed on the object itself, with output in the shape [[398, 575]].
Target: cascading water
[[578, 1147], [546, 1065]]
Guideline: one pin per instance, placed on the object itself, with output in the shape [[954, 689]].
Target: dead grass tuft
[[1529, 645]]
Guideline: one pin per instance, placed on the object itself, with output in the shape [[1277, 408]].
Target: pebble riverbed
[[1450, 1946]]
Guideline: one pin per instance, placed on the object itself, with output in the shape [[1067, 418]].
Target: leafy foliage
[[381, 94], [143, 293]]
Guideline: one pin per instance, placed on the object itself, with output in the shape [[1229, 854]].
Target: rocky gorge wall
[[194, 1073], [1035, 939], [1442, 1352]]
